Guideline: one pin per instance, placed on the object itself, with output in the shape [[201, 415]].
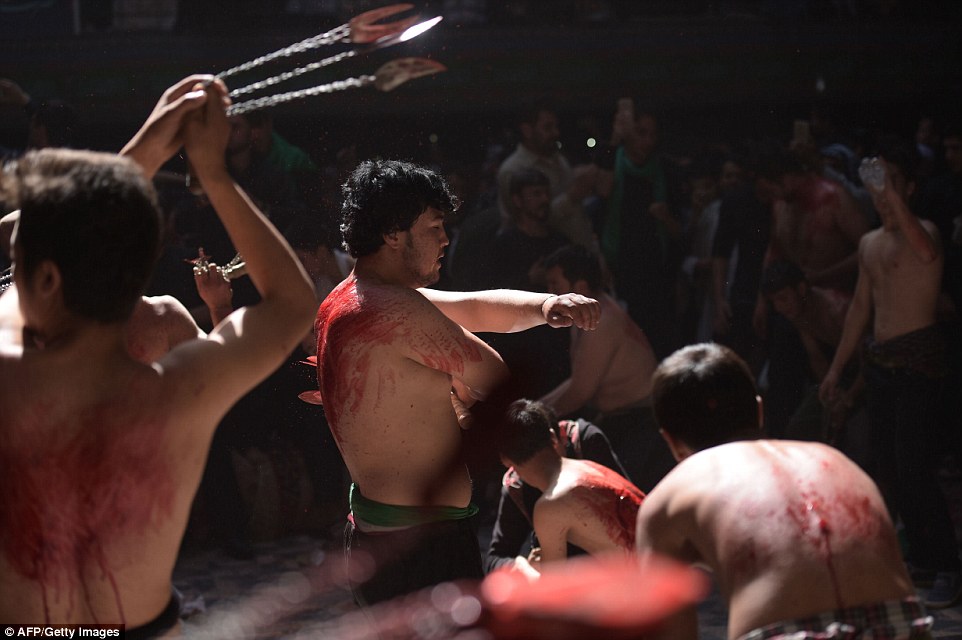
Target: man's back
[[626, 376], [790, 529], [385, 360], [588, 505], [100, 454], [89, 454], [904, 287]]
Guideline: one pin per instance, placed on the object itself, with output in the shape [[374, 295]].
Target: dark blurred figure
[[641, 236]]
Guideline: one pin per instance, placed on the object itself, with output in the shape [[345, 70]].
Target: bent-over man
[[797, 536], [582, 502]]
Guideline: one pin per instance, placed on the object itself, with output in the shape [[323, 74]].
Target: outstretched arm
[[510, 310]]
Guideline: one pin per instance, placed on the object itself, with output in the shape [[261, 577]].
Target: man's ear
[[392, 239], [47, 280], [678, 449]]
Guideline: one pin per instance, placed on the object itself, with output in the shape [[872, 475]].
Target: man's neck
[[542, 470], [380, 270], [73, 334]]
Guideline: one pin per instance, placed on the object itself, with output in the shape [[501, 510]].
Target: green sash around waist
[[380, 515]]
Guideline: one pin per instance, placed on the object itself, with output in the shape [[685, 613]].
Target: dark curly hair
[[384, 196]]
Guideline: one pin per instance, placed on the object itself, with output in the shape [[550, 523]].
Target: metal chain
[[293, 73], [6, 279], [338, 34], [280, 98]]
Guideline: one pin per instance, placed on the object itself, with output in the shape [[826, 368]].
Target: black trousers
[[401, 562]]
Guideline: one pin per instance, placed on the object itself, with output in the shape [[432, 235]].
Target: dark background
[[718, 71]]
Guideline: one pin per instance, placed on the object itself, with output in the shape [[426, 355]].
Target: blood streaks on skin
[[351, 324], [72, 488], [615, 503], [827, 522]]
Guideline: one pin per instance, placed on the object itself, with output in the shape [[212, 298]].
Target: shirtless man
[[610, 371], [512, 531], [817, 226], [397, 367], [815, 223], [582, 502], [100, 454], [158, 323], [797, 536], [817, 315], [905, 368]]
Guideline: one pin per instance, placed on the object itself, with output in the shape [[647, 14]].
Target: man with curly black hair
[[398, 368]]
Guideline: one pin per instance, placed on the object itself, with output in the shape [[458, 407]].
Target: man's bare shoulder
[[161, 305], [391, 298]]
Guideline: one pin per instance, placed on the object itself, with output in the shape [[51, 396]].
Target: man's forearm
[[918, 237], [855, 322], [494, 311]]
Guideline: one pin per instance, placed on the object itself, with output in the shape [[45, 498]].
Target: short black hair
[[528, 430], [779, 275], [705, 395], [524, 178], [577, 263], [95, 216], [384, 196]]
